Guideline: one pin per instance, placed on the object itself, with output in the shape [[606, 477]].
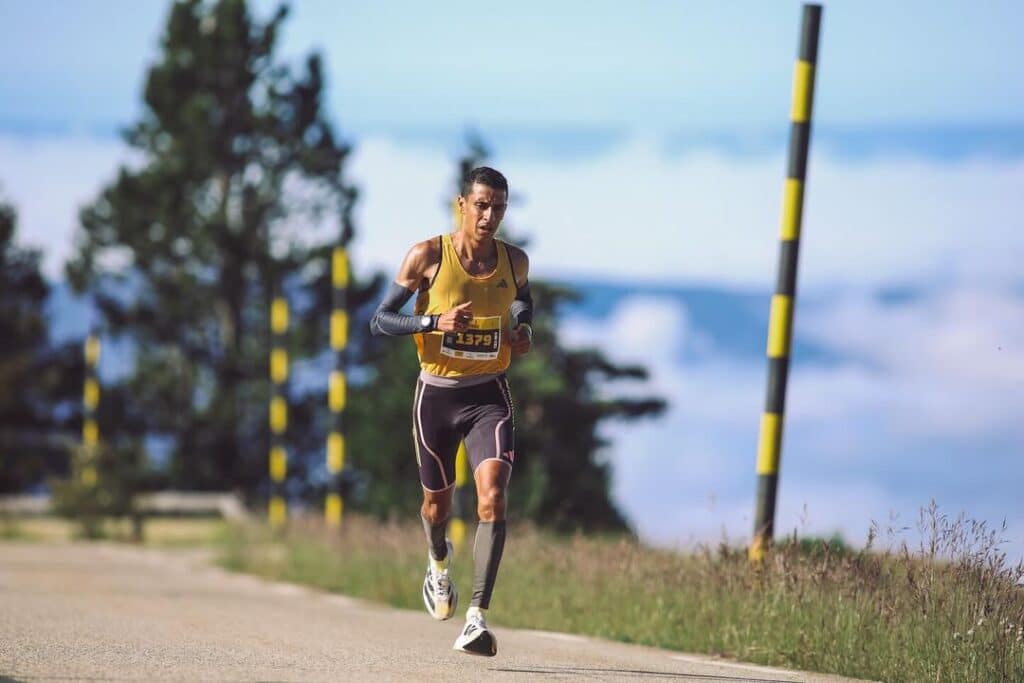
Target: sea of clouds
[[910, 406], [910, 279]]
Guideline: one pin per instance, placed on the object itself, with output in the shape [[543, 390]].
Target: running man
[[473, 312]]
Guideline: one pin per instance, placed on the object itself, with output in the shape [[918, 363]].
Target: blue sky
[[645, 144], [533, 63]]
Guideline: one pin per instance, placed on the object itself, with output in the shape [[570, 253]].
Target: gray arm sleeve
[[521, 310], [389, 322]]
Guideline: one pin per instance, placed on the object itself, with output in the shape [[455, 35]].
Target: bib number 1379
[[480, 342]]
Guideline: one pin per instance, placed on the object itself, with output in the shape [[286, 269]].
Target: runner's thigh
[[488, 424], [435, 436]]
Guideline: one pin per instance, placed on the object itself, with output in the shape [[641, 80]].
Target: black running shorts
[[480, 414]]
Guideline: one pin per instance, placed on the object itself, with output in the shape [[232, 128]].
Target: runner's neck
[[478, 256]]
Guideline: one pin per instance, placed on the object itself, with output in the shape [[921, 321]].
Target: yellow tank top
[[484, 347]]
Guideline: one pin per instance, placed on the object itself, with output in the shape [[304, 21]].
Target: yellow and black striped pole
[[337, 387], [781, 315], [461, 503], [278, 510], [90, 403]]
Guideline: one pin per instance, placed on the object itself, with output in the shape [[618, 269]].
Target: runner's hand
[[457, 319], [521, 340]]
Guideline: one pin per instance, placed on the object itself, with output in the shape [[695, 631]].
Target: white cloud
[[948, 362], [969, 333], [675, 476], [910, 411], [904, 220], [49, 180], [632, 213], [636, 213]]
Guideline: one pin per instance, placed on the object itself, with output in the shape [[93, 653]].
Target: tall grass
[[947, 609]]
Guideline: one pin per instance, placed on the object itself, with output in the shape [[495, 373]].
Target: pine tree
[[234, 198], [38, 383]]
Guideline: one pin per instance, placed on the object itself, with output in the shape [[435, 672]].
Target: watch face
[[425, 321]]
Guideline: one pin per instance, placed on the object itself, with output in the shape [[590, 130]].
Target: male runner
[[472, 313]]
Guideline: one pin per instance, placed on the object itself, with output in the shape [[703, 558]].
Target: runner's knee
[[435, 509], [491, 503]]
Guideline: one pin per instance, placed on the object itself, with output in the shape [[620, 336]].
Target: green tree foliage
[[238, 172], [559, 480], [39, 384], [121, 473]]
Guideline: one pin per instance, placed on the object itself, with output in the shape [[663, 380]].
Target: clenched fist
[[521, 340], [457, 319]]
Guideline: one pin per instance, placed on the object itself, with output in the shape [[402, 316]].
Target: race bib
[[480, 342]]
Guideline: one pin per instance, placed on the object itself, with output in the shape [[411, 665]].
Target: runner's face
[[482, 210]]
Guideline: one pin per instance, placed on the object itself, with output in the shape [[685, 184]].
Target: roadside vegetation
[[948, 609], [160, 532]]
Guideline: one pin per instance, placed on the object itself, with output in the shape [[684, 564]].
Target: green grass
[[947, 611]]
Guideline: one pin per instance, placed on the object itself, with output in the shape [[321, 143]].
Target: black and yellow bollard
[[90, 403], [278, 509], [781, 315], [337, 389]]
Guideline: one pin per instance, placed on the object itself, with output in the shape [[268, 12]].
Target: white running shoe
[[439, 594], [476, 638]]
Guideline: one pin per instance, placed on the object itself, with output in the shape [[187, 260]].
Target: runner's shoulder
[[520, 262], [425, 254]]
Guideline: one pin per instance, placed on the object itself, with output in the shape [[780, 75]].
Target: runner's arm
[[388, 320], [413, 272], [521, 311]]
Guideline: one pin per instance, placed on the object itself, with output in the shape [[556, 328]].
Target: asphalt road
[[109, 612]]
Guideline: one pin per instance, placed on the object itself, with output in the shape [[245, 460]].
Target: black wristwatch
[[428, 323]]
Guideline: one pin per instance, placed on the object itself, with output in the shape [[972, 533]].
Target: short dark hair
[[485, 175]]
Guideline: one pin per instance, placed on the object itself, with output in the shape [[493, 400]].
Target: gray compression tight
[[435, 538], [487, 549]]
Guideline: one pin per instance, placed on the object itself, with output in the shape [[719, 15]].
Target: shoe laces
[[442, 582], [476, 620]]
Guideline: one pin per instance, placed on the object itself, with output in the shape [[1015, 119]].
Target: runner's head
[[483, 201]]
